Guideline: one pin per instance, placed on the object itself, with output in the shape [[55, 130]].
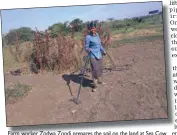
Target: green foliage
[[4, 41], [16, 91], [58, 27], [121, 26], [136, 39], [23, 33], [10, 38], [78, 23], [137, 22]]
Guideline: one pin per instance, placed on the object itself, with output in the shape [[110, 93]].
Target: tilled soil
[[133, 94]]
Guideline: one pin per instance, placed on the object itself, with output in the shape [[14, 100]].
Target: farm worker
[[95, 50]]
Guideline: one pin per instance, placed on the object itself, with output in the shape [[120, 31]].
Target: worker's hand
[[104, 53], [88, 50]]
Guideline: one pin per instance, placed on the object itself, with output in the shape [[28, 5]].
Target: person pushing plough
[[92, 46], [95, 52]]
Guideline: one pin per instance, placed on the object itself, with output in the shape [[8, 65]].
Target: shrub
[[16, 91]]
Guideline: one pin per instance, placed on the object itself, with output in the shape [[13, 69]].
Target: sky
[[42, 18]]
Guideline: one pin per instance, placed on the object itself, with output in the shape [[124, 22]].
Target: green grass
[[120, 31], [158, 28], [8, 59], [78, 35], [17, 91], [149, 26], [136, 39]]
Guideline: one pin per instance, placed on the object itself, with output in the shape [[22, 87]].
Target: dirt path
[[137, 93]]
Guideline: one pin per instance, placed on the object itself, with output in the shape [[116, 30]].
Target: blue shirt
[[94, 43]]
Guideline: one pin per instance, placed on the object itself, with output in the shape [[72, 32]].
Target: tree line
[[27, 34]]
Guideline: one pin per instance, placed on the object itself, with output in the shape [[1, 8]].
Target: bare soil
[[137, 93]]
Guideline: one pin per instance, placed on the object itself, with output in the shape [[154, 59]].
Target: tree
[[77, 24], [66, 24], [59, 27], [23, 33], [55, 28], [4, 41], [111, 19]]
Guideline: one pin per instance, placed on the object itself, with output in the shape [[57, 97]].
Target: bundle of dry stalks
[[16, 52], [59, 54]]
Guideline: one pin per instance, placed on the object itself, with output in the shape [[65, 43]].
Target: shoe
[[94, 89], [100, 82]]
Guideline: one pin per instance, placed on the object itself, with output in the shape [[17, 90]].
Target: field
[[136, 93]]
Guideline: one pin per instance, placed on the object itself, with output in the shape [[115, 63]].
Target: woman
[[95, 50]]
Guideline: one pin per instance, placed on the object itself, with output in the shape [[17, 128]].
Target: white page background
[[124, 126]]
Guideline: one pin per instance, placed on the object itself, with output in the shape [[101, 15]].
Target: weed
[[17, 91]]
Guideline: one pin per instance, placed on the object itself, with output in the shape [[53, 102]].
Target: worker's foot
[[100, 81], [94, 88]]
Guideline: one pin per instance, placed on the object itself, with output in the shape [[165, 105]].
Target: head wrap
[[91, 25]]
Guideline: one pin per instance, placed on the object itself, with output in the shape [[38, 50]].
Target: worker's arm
[[87, 43], [101, 47]]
